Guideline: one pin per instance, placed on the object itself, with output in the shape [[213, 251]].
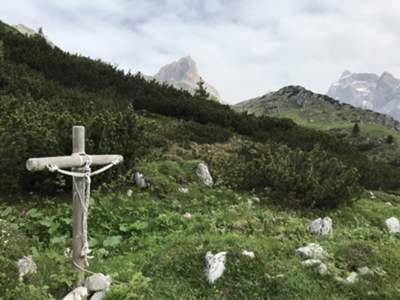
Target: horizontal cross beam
[[72, 161]]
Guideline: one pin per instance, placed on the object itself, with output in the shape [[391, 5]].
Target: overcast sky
[[242, 47]]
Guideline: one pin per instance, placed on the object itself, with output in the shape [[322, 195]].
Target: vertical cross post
[[81, 173], [78, 186]]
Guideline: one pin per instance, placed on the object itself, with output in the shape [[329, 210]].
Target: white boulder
[[352, 278], [248, 253], [98, 295], [312, 250], [129, 193], [311, 262], [26, 265], [183, 190], [364, 271], [321, 226], [215, 265], [188, 216], [204, 174], [78, 293], [139, 180], [98, 282], [393, 225]]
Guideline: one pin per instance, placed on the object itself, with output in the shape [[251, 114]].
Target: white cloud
[[244, 48]]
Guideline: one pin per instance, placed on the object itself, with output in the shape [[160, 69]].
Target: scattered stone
[[352, 278], [183, 190], [312, 250], [388, 203], [204, 174], [98, 295], [129, 193], [255, 199], [323, 270], [372, 195], [188, 216], [364, 271], [26, 265], [326, 226], [78, 293], [393, 225], [311, 262], [215, 265], [321, 226], [98, 282], [139, 180], [248, 253], [68, 252]]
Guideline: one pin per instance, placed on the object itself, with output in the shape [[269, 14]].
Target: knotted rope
[[84, 197]]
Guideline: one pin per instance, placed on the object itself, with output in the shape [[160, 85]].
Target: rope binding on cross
[[84, 198]]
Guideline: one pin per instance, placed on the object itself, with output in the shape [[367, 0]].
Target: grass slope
[[153, 252]]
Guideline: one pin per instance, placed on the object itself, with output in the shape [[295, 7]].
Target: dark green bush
[[44, 91], [201, 133], [293, 177]]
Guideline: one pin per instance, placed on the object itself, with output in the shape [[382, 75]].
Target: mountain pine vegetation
[[272, 178]]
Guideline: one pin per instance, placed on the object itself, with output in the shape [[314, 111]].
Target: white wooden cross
[[79, 162]]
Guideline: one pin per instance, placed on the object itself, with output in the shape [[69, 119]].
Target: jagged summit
[[25, 30], [184, 74], [369, 90]]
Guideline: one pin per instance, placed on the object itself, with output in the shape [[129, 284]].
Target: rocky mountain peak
[[184, 74], [369, 90], [345, 74]]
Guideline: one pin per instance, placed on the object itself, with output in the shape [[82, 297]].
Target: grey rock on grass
[[204, 174], [98, 282], [26, 265]]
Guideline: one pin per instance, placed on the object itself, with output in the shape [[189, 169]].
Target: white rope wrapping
[[83, 198]]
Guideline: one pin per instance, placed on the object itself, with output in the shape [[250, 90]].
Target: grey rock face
[[370, 91], [97, 282], [183, 74], [204, 174]]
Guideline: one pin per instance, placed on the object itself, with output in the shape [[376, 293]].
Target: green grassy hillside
[[153, 252], [272, 177], [324, 113]]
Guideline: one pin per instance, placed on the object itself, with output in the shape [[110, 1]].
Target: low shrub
[[355, 254], [293, 177]]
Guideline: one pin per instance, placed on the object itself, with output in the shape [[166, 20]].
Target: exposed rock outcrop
[[184, 74]]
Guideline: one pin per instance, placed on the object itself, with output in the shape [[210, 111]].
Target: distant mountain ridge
[[369, 90], [184, 74], [303, 105]]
